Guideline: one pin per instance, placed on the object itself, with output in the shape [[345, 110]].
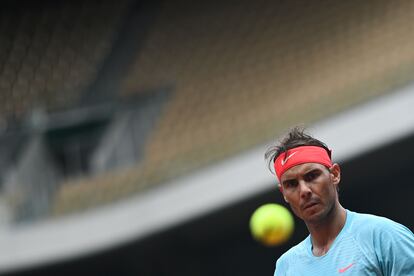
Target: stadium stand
[[50, 54], [235, 68]]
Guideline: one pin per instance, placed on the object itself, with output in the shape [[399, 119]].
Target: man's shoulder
[[371, 222], [369, 225], [294, 252], [385, 242]]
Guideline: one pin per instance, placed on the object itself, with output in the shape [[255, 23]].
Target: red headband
[[300, 155]]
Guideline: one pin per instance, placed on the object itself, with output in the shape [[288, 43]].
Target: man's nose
[[304, 189]]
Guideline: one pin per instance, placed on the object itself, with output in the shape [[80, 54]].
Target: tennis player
[[341, 242]]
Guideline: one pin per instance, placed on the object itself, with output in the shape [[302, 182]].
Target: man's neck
[[324, 233]]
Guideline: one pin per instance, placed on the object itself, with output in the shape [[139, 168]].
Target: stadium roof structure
[[350, 134]]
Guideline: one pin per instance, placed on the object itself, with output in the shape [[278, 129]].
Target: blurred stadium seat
[[51, 51]]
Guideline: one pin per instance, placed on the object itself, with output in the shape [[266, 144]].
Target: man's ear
[[281, 190], [335, 172]]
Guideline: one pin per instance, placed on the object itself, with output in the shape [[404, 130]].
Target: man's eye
[[311, 175], [289, 184]]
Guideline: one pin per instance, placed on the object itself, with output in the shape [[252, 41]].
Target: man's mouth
[[309, 205]]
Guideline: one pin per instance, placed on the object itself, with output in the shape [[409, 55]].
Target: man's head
[[307, 177], [295, 138]]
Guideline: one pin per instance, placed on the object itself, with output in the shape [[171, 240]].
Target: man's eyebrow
[[312, 170], [305, 173]]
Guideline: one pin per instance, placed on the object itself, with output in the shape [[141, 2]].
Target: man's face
[[311, 190]]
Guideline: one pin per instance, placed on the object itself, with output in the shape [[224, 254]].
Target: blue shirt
[[366, 245]]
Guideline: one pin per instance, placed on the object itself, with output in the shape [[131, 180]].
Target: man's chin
[[312, 214]]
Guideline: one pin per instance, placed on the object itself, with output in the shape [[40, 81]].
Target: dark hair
[[295, 138]]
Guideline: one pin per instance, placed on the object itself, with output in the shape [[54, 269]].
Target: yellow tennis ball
[[272, 224]]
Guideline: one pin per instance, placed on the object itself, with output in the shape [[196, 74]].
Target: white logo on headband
[[283, 162]]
